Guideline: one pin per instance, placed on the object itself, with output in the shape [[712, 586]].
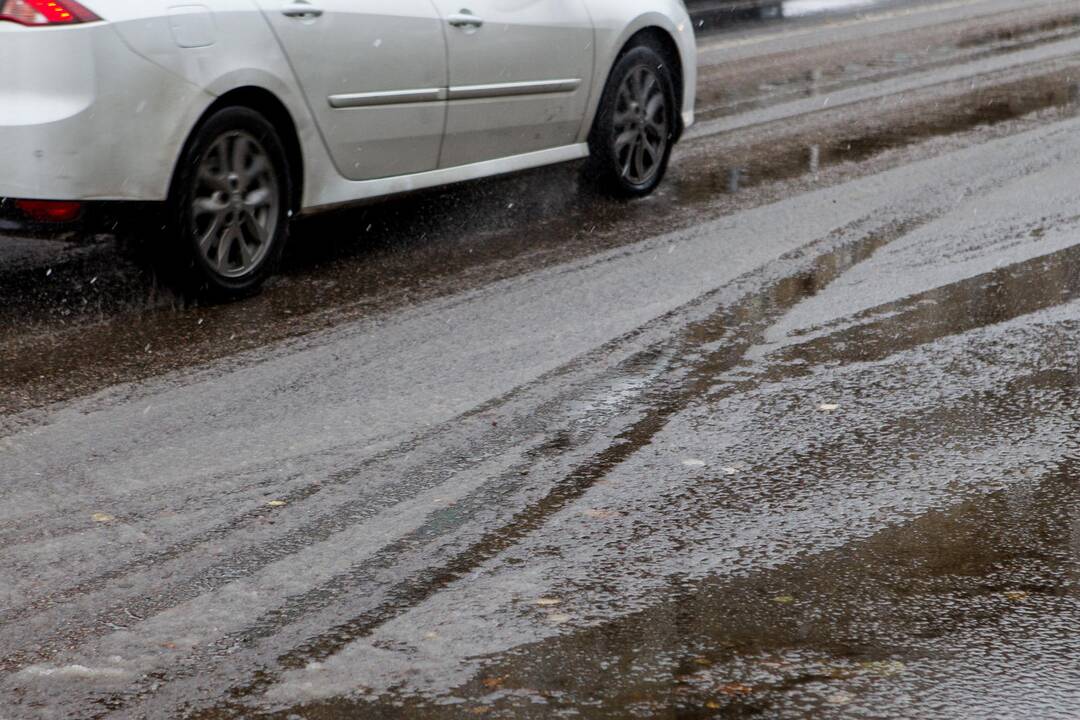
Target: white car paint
[[101, 111]]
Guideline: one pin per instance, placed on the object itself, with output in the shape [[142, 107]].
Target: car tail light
[[57, 211], [45, 12]]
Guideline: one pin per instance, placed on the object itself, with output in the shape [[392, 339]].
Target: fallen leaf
[[1016, 595], [481, 710], [713, 705], [277, 503], [736, 689], [702, 660], [548, 602], [783, 599], [102, 518], [493, 683], [839, 698], [883, 668]]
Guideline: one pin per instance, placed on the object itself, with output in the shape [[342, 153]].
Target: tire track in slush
[[1054, 275], [750, 320]]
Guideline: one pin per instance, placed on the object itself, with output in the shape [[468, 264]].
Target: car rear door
[[520, 73], [374, 75]]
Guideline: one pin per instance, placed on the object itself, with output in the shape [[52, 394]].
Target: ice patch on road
[[76, 671]]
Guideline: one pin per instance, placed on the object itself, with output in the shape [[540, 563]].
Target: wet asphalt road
[[795, 438]]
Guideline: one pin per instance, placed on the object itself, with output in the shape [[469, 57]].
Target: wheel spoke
[[212, 233], [639, 161], [209, 205], [240, 153], [651, 150], [624, 139], [246, 253], [223, 249], [254, 228], [257, 199], [627, 165], [654, 107], [632, 86], [647, 87]]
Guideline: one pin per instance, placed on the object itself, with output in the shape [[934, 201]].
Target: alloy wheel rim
[[641, 125], [235, 206]]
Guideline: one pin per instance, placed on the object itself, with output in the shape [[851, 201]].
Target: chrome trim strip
[[541, 87], [462, 92], [392, 97]]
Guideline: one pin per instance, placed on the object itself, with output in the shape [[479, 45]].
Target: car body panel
[[59, 144], [380, 109], [520, 82], [102, 111]]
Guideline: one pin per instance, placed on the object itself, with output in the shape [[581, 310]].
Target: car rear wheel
[[229, 206], [635, 128]]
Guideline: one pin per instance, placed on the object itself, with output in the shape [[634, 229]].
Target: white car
[[220, 120]]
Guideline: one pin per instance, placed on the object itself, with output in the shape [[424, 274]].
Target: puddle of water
[[1001, 295], [914, 620], [757, 165], [743, 87]]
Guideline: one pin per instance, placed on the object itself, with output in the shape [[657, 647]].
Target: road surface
[[795, 438]]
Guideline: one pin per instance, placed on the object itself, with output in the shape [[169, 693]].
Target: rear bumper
[[14, 222], [96, 217], [82, 117]]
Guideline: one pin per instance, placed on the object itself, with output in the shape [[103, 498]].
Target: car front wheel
[[635, 128]]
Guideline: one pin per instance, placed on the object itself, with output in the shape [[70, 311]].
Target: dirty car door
[[374, 74], [519, 76]]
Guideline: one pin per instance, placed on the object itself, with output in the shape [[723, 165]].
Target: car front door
[[520, 74], [374, 75]]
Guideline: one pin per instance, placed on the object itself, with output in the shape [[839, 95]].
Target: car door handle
[[465, 19], [302, 10]]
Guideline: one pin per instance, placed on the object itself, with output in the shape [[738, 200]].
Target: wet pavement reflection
[[925, 618], [809, 638], [797, 437], [975, 603]]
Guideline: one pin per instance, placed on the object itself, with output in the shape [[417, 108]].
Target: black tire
[[616, 119], [233, 184]]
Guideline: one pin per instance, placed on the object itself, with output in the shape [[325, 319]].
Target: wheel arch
[[267, 104], [655, 30], [663, 42]]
